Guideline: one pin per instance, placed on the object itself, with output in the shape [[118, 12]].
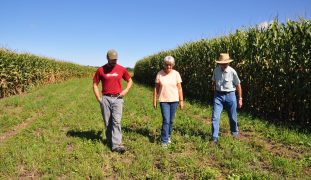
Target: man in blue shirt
[[226, 82]]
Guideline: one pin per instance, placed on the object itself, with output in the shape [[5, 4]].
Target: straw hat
[[224, 58]]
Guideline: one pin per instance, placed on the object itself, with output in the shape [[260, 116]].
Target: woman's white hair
[[169, 59]]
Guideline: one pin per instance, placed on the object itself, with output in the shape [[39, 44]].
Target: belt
[[224, 92], [112, 95]]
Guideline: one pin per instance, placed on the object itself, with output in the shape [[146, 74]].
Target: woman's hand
[[155, 104], [181, 105]]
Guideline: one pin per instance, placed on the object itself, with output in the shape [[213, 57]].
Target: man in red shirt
[[111, 101]]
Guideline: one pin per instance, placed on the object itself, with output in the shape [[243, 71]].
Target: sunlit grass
[[65, 139]]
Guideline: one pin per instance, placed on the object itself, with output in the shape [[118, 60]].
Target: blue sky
[[81, 31]]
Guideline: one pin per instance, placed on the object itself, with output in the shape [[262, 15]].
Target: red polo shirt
[[111, 78]]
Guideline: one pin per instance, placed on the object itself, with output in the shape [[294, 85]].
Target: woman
[[169, 91]]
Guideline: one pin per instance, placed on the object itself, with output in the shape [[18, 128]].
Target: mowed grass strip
[[64, 138]]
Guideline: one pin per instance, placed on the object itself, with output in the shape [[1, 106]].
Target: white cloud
[[263, 25]]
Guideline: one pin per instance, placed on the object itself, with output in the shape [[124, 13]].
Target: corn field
[[273, 64], [18, 72]]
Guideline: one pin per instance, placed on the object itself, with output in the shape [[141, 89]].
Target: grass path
[[56, 132]]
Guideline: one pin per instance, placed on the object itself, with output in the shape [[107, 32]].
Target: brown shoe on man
[[214, 141], [119, 149]]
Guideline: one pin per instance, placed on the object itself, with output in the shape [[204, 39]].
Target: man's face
[[112, 62], [223, 66]]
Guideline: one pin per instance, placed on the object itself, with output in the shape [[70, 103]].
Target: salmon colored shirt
[[168, 91]]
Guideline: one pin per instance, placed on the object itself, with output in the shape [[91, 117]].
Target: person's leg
[[173, 107], [165, 111], [218, 106], [117, 107], [232, 113], [106, 114]]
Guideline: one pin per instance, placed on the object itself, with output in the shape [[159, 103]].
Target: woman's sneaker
[[169, 140], [164, 145]]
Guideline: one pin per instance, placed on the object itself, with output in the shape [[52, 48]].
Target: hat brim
[[224, 61]]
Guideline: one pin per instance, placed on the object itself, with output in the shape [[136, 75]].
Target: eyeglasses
[[168, 64]]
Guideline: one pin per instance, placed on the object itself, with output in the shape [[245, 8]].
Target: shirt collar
[[226, 70]]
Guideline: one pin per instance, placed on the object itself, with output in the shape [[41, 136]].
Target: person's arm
[[214, 87], [96, 92], [213, 83], [240, 99], [155, 94], [127, 88], [180, 95]]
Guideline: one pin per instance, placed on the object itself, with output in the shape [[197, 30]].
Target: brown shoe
[[119, 149], [214, 141]]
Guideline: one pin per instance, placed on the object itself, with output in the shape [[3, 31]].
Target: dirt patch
[[24, 173], [286, 151], [69, 148], [38, 132], [15, 130], [11, 110], [19, 128], [179, 175], [308, 172]]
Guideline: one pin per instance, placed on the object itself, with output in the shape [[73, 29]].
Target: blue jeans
[[168, 110], [229, 102]]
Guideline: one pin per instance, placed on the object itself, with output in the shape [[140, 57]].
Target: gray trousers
[[111, 108]]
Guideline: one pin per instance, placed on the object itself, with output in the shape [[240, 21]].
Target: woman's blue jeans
[[227, 100], [168, 110]]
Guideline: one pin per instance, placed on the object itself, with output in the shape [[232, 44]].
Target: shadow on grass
[[88, 135], [184, 131], [143, 131], [155, 137]]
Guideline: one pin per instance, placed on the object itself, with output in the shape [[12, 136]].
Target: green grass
[[64, 138]]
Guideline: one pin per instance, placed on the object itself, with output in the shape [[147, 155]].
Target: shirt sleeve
[[178, 77], [96, 78], [157, 79], [236, 79], [126, 76]]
